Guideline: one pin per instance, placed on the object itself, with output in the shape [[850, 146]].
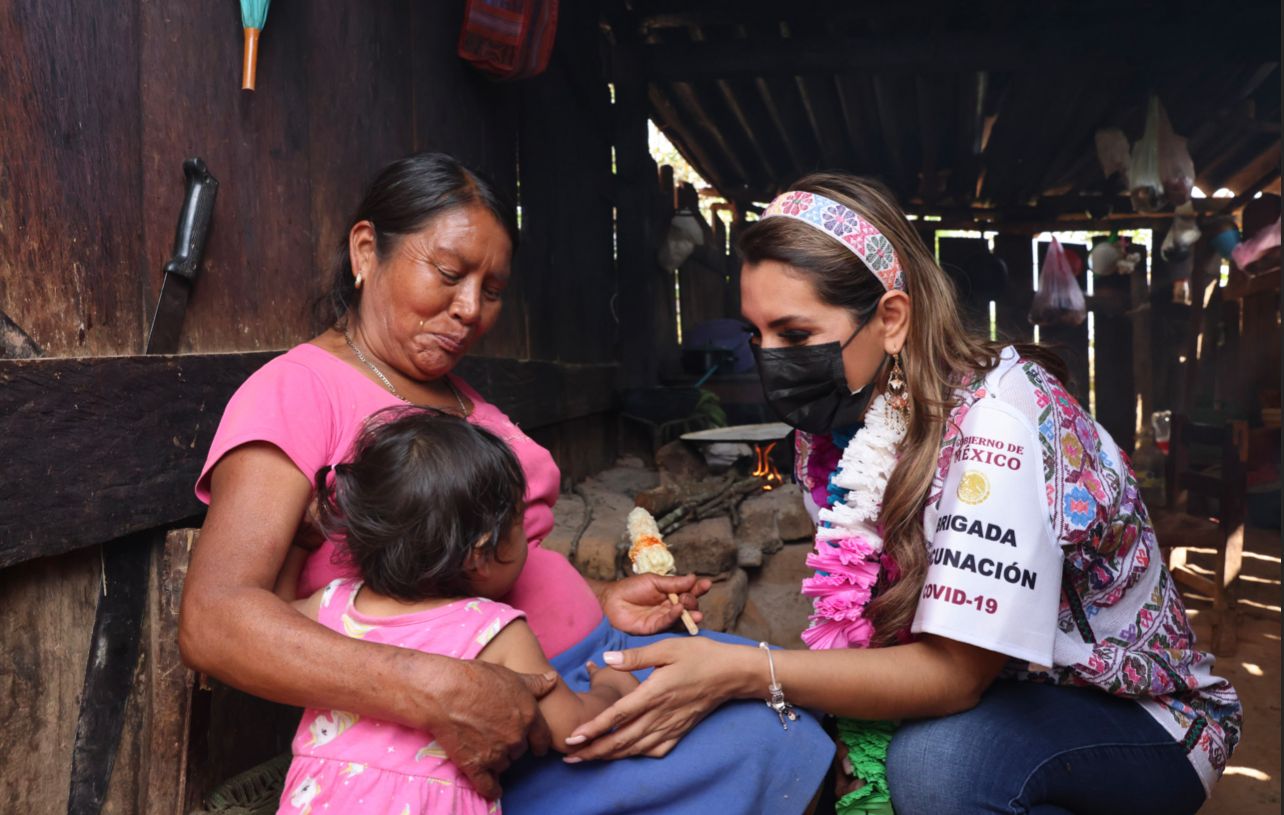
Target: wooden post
[[169, 682], [1142, 352], [639, 275], [1113, 340], [1204, 267]]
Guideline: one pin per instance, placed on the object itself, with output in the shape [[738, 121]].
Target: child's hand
[[617, 683]]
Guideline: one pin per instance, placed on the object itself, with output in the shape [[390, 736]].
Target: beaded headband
[[845, 226]]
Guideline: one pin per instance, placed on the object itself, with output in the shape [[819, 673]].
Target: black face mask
[[807, 388]]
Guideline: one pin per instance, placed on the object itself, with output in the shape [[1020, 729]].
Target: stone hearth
[[751, 543]]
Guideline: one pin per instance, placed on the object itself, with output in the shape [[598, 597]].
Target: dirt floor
[[1251, 784]]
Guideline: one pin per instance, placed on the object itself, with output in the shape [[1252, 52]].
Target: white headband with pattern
[[845, 226]]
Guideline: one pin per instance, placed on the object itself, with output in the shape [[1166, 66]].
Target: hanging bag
[[1059, 300], [508, 39]]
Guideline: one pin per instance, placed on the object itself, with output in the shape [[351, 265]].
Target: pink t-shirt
[[312, 405]]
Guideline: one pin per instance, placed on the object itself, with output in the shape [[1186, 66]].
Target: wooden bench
[[1206, 489]]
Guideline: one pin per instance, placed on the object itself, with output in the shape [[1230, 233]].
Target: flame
[[764, 468]]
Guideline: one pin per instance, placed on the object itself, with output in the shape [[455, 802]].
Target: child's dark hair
[[419, 491]]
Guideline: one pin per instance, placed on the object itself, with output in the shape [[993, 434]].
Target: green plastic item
[[867, 743]]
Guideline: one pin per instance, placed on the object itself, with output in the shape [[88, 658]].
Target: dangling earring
[[897, 389], [357, 283]]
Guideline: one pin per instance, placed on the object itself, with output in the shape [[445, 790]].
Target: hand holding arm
[[516, 648], [931, 677]]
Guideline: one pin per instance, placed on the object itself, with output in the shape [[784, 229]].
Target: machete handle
[[194, 220]]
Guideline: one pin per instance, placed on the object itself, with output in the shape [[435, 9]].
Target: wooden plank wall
[[101, 109]]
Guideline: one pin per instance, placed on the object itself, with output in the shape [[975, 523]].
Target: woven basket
[[257, 791]]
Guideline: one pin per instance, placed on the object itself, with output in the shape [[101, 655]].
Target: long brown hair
[[939, 355]]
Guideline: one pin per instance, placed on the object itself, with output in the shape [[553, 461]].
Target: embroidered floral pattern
[[845, 226], [1095, 506], [838, 220]]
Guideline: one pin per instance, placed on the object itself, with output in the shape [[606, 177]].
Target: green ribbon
[[866, 743]]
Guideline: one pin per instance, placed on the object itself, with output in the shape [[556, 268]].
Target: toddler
[[430, 511]]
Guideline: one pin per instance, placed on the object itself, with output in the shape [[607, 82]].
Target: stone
[[660, 500], [568, 517], [597, 553], [776, 602], [787, 567], [758, 530], [752, 624], [628, 477], [782, 507], [706, 547], [723, 603], [748, 556], [678, 461]]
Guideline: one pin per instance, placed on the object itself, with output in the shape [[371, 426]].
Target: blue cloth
[[1031, 748], [736, 760]]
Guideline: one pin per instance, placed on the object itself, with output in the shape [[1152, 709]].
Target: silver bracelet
[[777, 701]]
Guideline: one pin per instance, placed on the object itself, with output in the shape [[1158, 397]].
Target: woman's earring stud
[[359, 280]]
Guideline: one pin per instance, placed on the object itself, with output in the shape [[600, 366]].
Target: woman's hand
[[640, 604], [490, 717], [692, 676]]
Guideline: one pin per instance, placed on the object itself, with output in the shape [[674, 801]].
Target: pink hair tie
[[845, 226]]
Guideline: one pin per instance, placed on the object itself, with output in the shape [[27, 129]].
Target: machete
[[122, 594]]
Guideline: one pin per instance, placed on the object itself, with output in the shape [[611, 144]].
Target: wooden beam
[[853, 114], [749, 105], [1067, 50], [96, 448], [702, 121], [676, 125], [781, 106], [931, 103], [733, 103], [820, 104], [899, 172], [969, 121]]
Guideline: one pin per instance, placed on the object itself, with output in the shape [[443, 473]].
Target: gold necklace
[[387, 383]]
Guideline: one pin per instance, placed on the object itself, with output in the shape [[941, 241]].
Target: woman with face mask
[[994, 628]]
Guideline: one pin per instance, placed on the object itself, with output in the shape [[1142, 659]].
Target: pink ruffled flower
[[822, 585], [843, 560], [847, 606], [826, 635]]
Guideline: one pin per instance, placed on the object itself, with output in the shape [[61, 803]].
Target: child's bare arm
[[309, 607], [516, 648]]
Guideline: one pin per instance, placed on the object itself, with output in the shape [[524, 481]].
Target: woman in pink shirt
[[418, 280]]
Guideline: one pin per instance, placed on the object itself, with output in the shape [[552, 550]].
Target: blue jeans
[[1029, 748]]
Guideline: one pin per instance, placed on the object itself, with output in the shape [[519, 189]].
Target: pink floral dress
[[348, 763]]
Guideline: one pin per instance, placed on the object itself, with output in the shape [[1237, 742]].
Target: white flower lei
[[863, 471], [849, 545]]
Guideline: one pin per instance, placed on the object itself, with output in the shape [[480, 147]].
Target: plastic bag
[[1265, 240], [681, 239], [1181, 235], [1146, 186], [1059, 300], [1104, 258], [1176, 168], [1112, 151]]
